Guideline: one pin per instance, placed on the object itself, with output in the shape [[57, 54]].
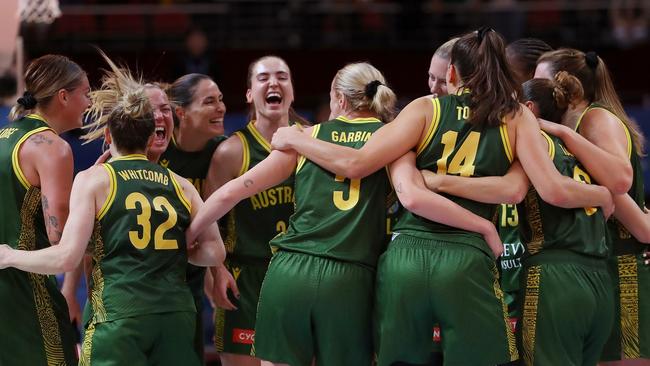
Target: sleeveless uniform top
[[140, 254], [254, 221], [193, 166], [454, 146], [338, 217], [22, 227], [543, 226], [622, 242]]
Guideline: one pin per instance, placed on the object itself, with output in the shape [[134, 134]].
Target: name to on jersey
[[144, 174], [338, 136], [272, 196], [6, 132]]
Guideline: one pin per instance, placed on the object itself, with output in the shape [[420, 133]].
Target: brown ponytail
[[597, 83], [479, 58]]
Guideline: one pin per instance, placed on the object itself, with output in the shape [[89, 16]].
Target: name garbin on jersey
[[273, 196], [356, 136], [144, 174]]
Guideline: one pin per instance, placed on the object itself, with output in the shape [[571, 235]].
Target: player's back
[[338, 217], [454, 146], [140, 254]]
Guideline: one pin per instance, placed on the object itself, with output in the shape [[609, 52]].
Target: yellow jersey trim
[[180, 193], [130, 157], [40, 118], [358, 120], [551, 145], [258, 136], [435, 120], [302, 159], [503, 130], [627, 131], [111, 192], [246, 155], [15, 160]]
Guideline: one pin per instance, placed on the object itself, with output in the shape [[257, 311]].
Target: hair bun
[[28, 101], [371, 88], [591, 58]]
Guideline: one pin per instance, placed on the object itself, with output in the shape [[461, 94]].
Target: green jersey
[[622, 242], [253, 222], [19, 197], [193, 166], [32, 310], [337, 217], [454, 146], [513, 249], [140, 254], [543, 226]]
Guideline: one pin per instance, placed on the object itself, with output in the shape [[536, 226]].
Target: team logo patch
[[243, 336]]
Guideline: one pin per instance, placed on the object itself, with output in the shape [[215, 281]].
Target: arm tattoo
[[54, 221], [51, 223], [39, 139], [248, 183], [399, 189]]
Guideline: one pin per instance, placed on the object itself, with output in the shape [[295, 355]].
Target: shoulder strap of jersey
[[433, 126]]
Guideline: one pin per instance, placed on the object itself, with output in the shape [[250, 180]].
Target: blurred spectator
[[629, 19], [8, 85], [196, 58]]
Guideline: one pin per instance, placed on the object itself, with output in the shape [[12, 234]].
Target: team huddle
[[499, 220]]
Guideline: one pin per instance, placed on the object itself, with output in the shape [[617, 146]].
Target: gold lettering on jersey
[[272, 197], [144, 174], [357, 136], [6, 132]]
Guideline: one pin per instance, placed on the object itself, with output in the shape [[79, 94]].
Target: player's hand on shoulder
[[284, 136]]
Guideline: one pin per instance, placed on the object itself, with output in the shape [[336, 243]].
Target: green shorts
[[421, 282], [152, 339], [234, 331], [314, 307], [567, 309], [34, 319], [195, 278], [630, 337]]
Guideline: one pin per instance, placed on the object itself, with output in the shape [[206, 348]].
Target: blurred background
[[168, 38]]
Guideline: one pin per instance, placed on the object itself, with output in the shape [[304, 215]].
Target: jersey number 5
[[160, 204], [353, 195]]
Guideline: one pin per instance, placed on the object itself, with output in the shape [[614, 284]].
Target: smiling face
[[164, 122], [206, 111], [271, 90], [437, 79]]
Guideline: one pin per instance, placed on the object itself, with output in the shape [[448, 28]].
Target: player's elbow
[[516, 193], [621, 183], [409, 199]]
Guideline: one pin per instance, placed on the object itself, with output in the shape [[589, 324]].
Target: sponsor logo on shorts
[[513, 324], [243, 336], [436, 334], [436, 329]]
